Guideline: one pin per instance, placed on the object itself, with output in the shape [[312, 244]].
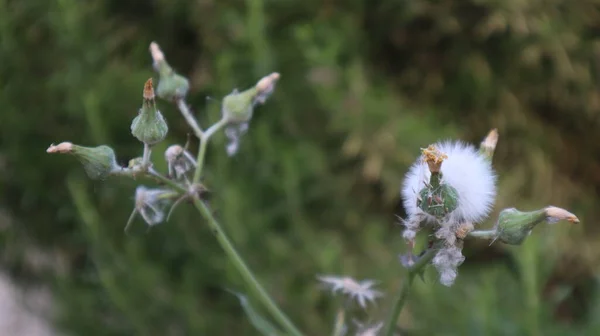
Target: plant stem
[[245, 272], [146, 157], [203, 144], [200, 160], [484, 234], [405, 291], [187, 114]]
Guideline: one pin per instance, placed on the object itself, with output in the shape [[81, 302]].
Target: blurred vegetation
[[315, 186]]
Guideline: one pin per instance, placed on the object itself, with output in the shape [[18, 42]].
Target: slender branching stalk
[[399, 302]]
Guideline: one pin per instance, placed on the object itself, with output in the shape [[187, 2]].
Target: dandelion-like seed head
[[361, 291], [463, 169]]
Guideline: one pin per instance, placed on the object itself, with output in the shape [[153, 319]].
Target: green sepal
[[98, 162], [171, 85], [238, 106], [149, 126]]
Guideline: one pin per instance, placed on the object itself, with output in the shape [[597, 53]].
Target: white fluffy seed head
[[466, 171]]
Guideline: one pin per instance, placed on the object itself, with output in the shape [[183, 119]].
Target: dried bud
[[171, 86], [149, 126], [463, 229], [514, 226], [98, 162], [434, 158], [179, 161], [488, 145]]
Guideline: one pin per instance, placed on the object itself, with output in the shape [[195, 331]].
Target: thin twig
[[187, 114]]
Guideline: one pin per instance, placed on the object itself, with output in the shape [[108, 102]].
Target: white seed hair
[[361, 291], [446, 261], [466, 171]]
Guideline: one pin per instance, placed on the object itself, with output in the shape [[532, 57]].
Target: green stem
[[200, 160], [484, 234], [203, 144], [405, 291], [146, 157], [245, 272]]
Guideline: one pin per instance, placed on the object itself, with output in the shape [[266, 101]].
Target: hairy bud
[[98, 162], [238, 106], [171, 86], [514, 226], [149, 126]]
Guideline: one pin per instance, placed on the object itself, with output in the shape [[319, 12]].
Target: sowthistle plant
[[447, 192]]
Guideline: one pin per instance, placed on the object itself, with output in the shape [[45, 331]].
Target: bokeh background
[[315, 186]]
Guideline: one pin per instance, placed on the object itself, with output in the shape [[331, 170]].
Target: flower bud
[[488, 145], [238, 106], [149, 126], [171, 86], [514, 226], [98, 162]]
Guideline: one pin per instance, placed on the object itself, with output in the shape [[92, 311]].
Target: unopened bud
[[514, 226], [149, 126], [171, 86], [238, 106], [488, 145], [98, 162]]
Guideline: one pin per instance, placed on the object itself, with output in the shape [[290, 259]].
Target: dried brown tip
[[148, 89], [63, 147], [434, 158], [560, 214], [157, 54], [491, 140], [266, 83]]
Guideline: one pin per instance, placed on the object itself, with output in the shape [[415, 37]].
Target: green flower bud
[[437, 199], [171, 86], [238, 106], [149, 126], [98, 162], [514, 226]]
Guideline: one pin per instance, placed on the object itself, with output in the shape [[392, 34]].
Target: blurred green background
[[315, 186]]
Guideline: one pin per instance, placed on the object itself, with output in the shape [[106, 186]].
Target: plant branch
[[203, 144], [187, 114], [405, 291], [146, 156], [245, 272]]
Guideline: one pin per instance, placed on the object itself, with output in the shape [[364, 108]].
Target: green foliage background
[[314, 189]]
